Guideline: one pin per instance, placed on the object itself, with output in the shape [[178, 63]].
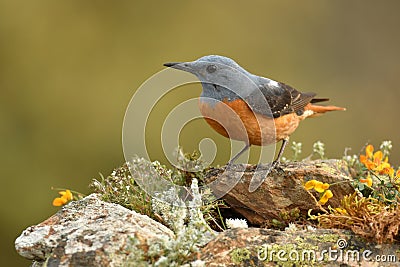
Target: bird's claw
[[276, 165]]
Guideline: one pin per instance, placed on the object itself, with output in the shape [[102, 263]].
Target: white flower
[[311, 228], [386, 147], [319, 149], [291, 228], [236, 223], [296, 147], [198, 263], [162, 261], [351, 160]]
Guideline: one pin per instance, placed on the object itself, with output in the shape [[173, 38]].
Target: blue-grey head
[[221, 77]]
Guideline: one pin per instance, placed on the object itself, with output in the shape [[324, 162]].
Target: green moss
[[286, 217], [329, 169], [341, 165], [240, 254], [325, 238], [303, 244]]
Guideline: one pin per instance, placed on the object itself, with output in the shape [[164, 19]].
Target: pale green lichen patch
[[238, 255], [190, 228], [325, 238]]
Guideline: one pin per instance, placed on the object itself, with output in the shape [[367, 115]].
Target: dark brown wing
[[317, 100], [281, 98]]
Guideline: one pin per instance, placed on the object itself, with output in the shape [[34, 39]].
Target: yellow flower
[[341, 211], [310, 184], [377, 157], [389, 171], [66, 194], [58, 201], [317, 185], [325, 197], [65, 197], [367, 181], [321, 187], [369, 150], [374, 161]]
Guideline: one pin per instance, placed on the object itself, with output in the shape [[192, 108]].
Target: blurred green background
[[69, 69]]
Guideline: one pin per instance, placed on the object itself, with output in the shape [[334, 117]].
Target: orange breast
[[236, 120]]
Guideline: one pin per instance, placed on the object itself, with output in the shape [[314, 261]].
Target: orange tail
[[319, 110]]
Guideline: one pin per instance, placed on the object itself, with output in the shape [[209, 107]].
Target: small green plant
[[374, 176], [373, 211], [286, 218], [296, 148], [319, 149], [190, 228], [189, 166], [121, 188], [191, 218]]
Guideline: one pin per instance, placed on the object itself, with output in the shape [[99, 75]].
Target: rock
[[91, 232], [282, 189], [318, 247], [88, 232]]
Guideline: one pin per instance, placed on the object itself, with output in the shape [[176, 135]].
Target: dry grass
[[366, 217]]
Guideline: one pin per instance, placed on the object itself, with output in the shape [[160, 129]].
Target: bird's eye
[[211, 68]]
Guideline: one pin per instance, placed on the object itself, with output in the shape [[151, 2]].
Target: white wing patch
[[308, 113], [273, 83]]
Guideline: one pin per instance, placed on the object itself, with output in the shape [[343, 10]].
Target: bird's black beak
[[185, 66], [171, 64]]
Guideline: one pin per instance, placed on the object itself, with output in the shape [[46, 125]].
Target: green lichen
[[325, 238], [190, 228], [303, 244], [239, 255], [328, 168], [286, 217]]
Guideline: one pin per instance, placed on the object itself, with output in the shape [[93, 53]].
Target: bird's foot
[[228, 166], [276, 165], [233, 167], [229, 163]]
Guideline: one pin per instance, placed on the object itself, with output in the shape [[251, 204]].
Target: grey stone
[[89, 232]]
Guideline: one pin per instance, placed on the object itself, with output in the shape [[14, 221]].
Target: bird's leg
[[278, 158], [247, 146]]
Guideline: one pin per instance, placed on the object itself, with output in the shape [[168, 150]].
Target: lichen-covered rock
[[88, 232], [316, 247]]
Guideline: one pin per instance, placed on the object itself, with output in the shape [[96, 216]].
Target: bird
[[250, 108]]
